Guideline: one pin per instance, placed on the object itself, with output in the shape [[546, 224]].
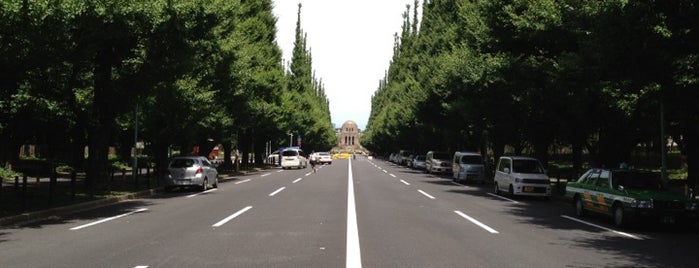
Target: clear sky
[[351, 43]]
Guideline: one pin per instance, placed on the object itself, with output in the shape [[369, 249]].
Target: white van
[[438, 162], [293, 158], [468, 167], [519, 175]]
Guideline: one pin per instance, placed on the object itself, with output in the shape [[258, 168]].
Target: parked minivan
[[520, 175], [438, 162], [468, 167], [293, 158]]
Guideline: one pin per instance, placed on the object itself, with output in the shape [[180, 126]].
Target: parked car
[[293, 157], [403, 157], [409, 162], [273, 159], [324, 158], [191, 171], [418, 162], [628, 195], [468, 167], [393, 158], [519, 175], [438, 162]]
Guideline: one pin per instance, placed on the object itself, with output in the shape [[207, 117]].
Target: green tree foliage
[[192, 73], [483, 75], [306, 107]]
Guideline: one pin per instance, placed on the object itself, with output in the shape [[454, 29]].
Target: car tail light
[[199, 171]]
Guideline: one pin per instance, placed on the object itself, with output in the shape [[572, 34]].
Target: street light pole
[[291, 138]]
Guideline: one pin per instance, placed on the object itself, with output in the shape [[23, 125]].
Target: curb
[[30, 217]]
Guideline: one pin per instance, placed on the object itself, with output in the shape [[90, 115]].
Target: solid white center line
[[353, 255], [243, 181], [602, 227], [474, 221], [277, 191], [266, 174], [107, 219], [405, 182], [141, 266], [297, 180], [504, 198], [426, 194], [224, 221], [200, 193], [392, 175]]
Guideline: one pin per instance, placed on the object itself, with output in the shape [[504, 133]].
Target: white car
[[519, 175], [293, 158], [324, 158]]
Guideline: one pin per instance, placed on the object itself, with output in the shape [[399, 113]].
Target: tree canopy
[[76, 73], [589, 75]]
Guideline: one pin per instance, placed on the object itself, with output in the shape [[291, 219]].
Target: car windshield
[[182, 163], [420, 158], [527, 166], [289, 153], [472, 159], [441, 156], [637, 180]]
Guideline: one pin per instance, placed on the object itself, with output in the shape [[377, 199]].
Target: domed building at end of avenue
[[349, 138]]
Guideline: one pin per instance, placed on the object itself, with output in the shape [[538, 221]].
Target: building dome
[[349, 136]]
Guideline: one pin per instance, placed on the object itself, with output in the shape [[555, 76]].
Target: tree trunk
[[160, 151], [692, 150], [101, 120]]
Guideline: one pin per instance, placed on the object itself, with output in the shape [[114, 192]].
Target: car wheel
[[620, 218], [215, 182], [579, 209], [497, 189], [205, 185], [511, 191]]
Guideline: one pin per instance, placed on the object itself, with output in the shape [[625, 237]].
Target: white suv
[[519, 175], [293, 158]]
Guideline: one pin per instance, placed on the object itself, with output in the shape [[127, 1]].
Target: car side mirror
[[506, 170]]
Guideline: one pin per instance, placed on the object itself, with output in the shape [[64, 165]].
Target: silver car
[[191, 171]]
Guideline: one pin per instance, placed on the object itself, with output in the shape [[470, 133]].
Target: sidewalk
[[20, 206]]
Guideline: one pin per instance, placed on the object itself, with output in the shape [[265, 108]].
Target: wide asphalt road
[[352, 213]]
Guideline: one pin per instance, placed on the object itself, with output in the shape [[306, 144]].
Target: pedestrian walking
[[314, 160]]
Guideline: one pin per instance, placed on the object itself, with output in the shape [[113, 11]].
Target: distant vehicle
[[191, 171], [418, 162], [324, 158], [292, 157], [519, 175], [403, 157], [393, 158], [468, 167], [273, 159], [438, 162], [628, 195]]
